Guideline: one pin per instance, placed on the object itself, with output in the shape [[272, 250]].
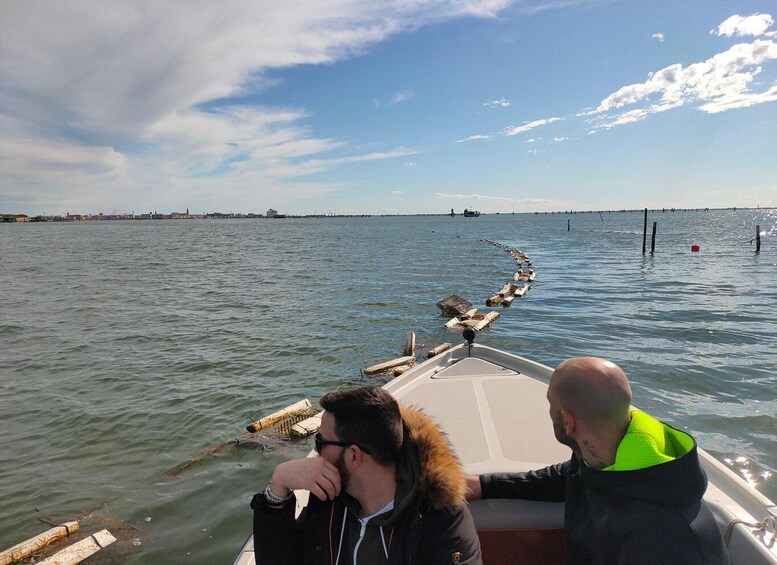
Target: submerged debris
[[91, 531], [454, 305]]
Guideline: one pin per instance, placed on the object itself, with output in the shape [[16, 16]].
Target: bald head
[[595, 390]]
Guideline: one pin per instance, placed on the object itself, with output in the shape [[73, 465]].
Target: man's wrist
[[277, 500]]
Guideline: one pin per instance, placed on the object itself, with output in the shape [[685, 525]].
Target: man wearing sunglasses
[[386, 487]]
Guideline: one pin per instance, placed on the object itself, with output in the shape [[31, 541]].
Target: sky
[[401, 106]]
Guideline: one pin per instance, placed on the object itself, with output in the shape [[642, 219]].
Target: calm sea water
[[127, 348]]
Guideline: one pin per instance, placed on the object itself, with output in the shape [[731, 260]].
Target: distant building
[[12, 218], [271, 213]]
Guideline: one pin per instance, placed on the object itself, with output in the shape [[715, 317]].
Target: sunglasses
[[320, 442]]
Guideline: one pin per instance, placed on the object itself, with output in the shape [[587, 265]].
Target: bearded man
[[385, 488]]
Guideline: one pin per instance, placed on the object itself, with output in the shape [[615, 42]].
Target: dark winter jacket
[[645, 515], [429, 525]]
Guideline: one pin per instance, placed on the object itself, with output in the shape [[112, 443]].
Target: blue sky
[[350, 106]]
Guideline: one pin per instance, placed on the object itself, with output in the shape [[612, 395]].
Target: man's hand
[[315, 474]]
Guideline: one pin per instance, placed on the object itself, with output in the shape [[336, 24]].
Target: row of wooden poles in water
[[298, 420], [694, 247]]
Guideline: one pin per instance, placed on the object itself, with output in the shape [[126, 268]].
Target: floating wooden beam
[[306, 427], [487, 319], [380, 367], [30, 546], [493, 300], [469, 314], [409, 344], [81, 550], [275, 417], [399, 370], [439, 349], [506, 289], [507, 300], [521, 290], [452, 323]]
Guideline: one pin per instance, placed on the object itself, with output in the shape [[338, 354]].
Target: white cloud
[[515, 130], [447, 196], [402, 96], [410, 164], [474, 138], [722, 82], [501, 103], [741, 100], [534, 151], [755, 25], [144, 89], [321, 164], [560, 139], [659, 36], [397, 192], [625, 118], [531, 201]]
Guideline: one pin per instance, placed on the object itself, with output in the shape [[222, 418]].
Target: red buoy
[[695, 247]]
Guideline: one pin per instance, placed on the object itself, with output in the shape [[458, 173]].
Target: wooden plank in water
[[490, 317], [380, 367], [494, 300], [439, 349], [30, 546], [506, 289], [409, 344], [306, 427], [275, 417], [81, 550], [521, 290]]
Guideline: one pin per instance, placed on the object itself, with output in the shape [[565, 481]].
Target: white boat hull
[[492, 406]]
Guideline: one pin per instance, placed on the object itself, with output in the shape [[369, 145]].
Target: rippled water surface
[[128, 348]]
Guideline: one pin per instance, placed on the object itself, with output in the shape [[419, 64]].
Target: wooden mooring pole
[[757, 239], [567, 225], [644, 233], [653, 239]]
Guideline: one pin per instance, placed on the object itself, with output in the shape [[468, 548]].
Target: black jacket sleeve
[[548, 484], [447, 533], [276, 536]]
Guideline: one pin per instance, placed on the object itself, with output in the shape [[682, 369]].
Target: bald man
[[633, 487]]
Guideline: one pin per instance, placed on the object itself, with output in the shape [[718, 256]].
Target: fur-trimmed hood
[[428, 471], [442, 480]]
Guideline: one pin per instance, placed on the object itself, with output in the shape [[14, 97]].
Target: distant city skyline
[[356, 108]]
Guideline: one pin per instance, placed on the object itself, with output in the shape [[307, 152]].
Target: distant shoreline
[[23, 218]]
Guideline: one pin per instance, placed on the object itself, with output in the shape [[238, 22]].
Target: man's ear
[[354, 455], [568, 420]]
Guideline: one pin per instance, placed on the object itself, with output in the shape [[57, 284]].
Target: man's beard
[[562, 437], [345, 474]]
